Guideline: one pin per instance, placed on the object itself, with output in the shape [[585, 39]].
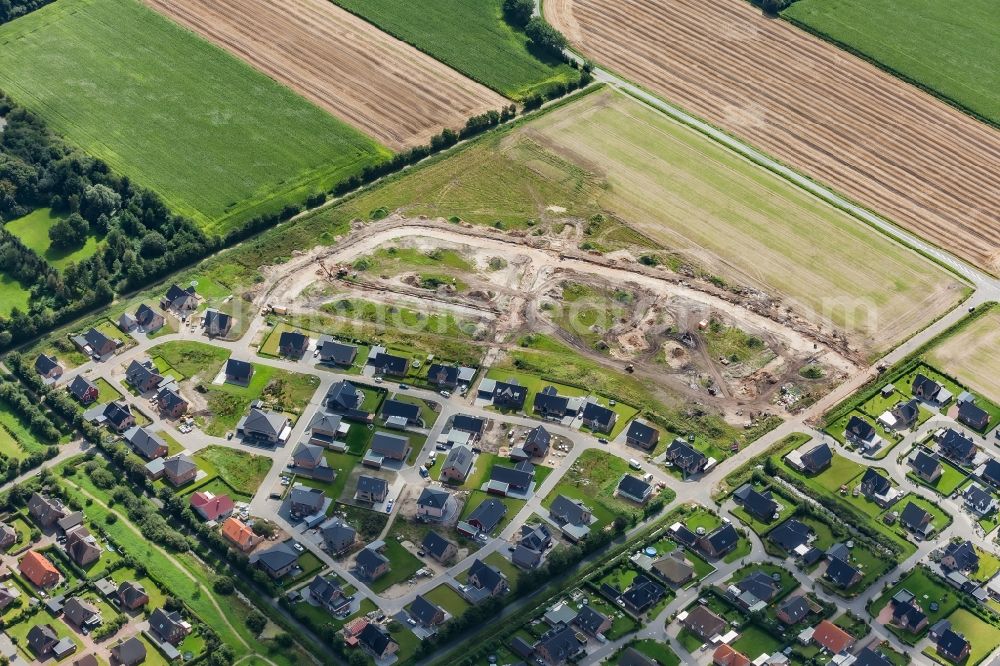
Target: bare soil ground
[[973, 355], [837, 118], [384, 87]]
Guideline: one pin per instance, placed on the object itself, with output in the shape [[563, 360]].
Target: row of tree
[[12, 9]]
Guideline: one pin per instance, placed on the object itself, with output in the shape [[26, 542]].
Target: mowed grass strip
[[219, 141], [469, 35]]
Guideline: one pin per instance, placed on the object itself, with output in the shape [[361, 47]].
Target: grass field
[[954, 53], [190, 122], [593, 479], [403, 565], [243, 471], [703, 201], [13, 294], [191, 358], [33, 230], [982, 636], [971, 355], [469, 35], [281, 390], [657, 650]]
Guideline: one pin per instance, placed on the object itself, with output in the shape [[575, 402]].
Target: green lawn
[[190, 358], [926, 591], [470, 36], [951, 478], [33, 230], [839, 473], [657, 650], [13, 294], [593, 479], [166, 108], [243, 471], [9, 446], [754, 641], [447, 598], [403, 564], [343, 463], [982, 636], [15, 427], [954, 53], [940, 518], [19, 632], [280, 390], [105, 391]]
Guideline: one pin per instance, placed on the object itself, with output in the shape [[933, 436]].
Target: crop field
[[469, 35], [380, 85], [697, 198], [33, 230], [893, 148], [971, 355], [189, 121], [955, 54]]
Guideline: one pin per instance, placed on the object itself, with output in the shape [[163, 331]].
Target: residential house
[[598, 418], [81, 613], [904, 415], [487, 516], [642, 436], [45, 510], [473, 425], [592, 621], [549, 404], [264, 427], [438, 547], [536, 537], [444, 376], [917, 520], [305, 501], [559, 645], [168, 626], [83, 389], [509, 395], [956, 446], [703, 623], [928, 390], [211, 507], [170, 402], [377, 642], [146, 444], [842, 574], [635, 489], [862, 433], [908, 616], [484, 577], [632, 657], [370, 563], [815, 459], [979, 501], [960, 556], [388, 364], [425, 612], [148, 319], [674, 569], [217, 324], [338, 536], [760, 506], [927, 466], [990, 472], [572, 516], [38, 569], [457, 465], [641, 595], [70, 522], [537, 442], [95, 343], [240, 534], [727, 656], [790, 535], [687, 459], [129, 652], [181, 301], [518, 479], [277, 560], [831, 637], [755, 591], [293, 344], [371, 489], [793, 609], [118, 416], [238, 372], [132, 595], [326, 591], [870, 657], [8, 536], [127, 323], [386, 445], [432, 504], [310, 460], [142, 376], [48, 367], [878, 488], [180, 469], [336, 353], [953, 646], [526, 558], [325, 429], [972, 415], [42, 640], [82, 548], [400, 414], [343, 396]]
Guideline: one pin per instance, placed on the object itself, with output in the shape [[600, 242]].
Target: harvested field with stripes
[[384, 87], [887, 145]]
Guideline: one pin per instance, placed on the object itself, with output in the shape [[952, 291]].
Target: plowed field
[[384, 87], [889, 146]]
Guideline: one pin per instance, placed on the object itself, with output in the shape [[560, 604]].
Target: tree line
[[12, 9]]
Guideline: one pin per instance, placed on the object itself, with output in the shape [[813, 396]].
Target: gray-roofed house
[[509, 395], [326, 591], [98, 343], [336, 353], [275, 561], [842, 574], [387, 364], [371, 564], [293, 344], [145, 443], [687, 459], [180, 469], [487, 515], [377, 642], [326, 429], [486, 578], [526, 558], [793, 609], [338, 536], [972, 415], [371, 489], [438, 547], [127, 323], [238, 372], [598, 418], [925, 388], [8, 535], [306, 501], [310, 461], [426, 613], [504, 479], [642, 594], [635, 489], [537, 442], [642, 436], [83, 389], [217, 324], [960, 556], [674, 568], [343, 396], [559, 645], [264, 426], [118, 416], [170, 402], [473, 425], [817, 459], [129, 652], [548, 403], [81, 547], [48, 367], [877, 488], [149, 320], [536, 537], [44, 510], [388, 445], [926, 465], [917, 520], [405, 413], [862, 433], [572, 516], [719, 541], [979, 501], [592, 621], [432, 504], [760, 505], [704, 623], [457, 465], [955, 445], [42, 639], [168, 626], [132, 595], [790, 535], [81, 613], [180, 300]]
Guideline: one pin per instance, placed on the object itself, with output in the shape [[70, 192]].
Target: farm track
[[383, 87], [887, 145]]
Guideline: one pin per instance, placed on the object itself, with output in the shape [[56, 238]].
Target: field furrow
[[887, 145]]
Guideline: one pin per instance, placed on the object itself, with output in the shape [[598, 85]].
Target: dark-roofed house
[[704, 623], [537, 442], [789, 535], [956, 446], [326, 591], [438, 547], [842, 574], [443, 375], [293, 344], [674, 569], [432, 504], [81, 613], [598, 418], [642, 436], [98, 343], [817, 459], [632, 657], [572, 516], [132, 595], [536, 537], [926, 465], [276, 561], [760, 505], [336, 353], [687, 459], [180, 300], [42, 639], [371, 564], [83, 389], [973, 416], [377, 642], [8, 535], [925, 388], [793, 609], [310, 460], [170, 402], [489, 579], [148, 319], [180, 469], [990, 472], [526, 558], [343, 396], [504, 479], [388, 445], [118, 416], [425, 612], [509, 395], [759, 585], [877, 488], [979, 501], [82, 547], [521, 647], [719, 541], [548, 403], [389, 364], [306, 501], [168, 627], [264, 426], [238, 372], [860, 432], [371, 489], [217, 324], [48, 367], [145, 443], [325, 429], [916, 519], [952, 646], [905, 414], [960, 556], [907, 616], [129, 652], [402, 412], [870, 657], [487, 515], [338, 536], [559, 645], [457, 465], [592, 621], [635, 489], [473, 425], [45, 510], [642, 594]]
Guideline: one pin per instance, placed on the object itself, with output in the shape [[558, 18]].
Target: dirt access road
[[384, 87], [874, 138]]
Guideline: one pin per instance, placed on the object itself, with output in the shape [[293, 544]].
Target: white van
[[634, 464]]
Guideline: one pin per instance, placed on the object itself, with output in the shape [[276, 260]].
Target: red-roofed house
[[832, 637], [352, 629], [727, 656], [211, 507], [37, 568]]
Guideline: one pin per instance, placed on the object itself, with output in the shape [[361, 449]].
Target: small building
[[811, 458], [635, 489], [181, 301], [592, 621], [309, 460], [953, 646], [83, 390], [293, 344], [703, 623], [457, 465], [217, 324], [790, 535], [674, 569], [371, 489], [148, 319], [45, 511], [979, 501], [265, 427], [170, 402], [389, 446], [238, 372], [327, 429], [438, 547], [387, 364], [686, 458], [168, 626], [304, 501], [559, 645], [509, 395], [831, 637], [444, 376], [642, 436], [842, 574], [537, 442], [146, 444], [81, 613], [572, 516], [38, 569], [432, 504], [917, 520], [598, 418], [927, 466], [793, 609], [473, 425], [129, 652], [48, 367], [179, 469], [336, 353], [371, 564], [142, 376], [724, 655], [276, 561], [338, 536], [343, 396], [862, 433], [487, 516], [956, 446], [759, 505], [132, 595], [960, 556], [326, 591], [487, 579], [973, 416], [403, 412], [81, 547], [377, 642], [211, 507], [425, 612], [240, 534], [878, 488]]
